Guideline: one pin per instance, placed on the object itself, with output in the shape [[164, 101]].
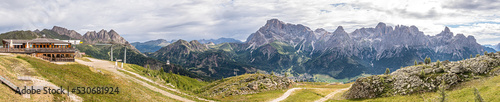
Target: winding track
[[109, 66], [290, 91], [332, 94]]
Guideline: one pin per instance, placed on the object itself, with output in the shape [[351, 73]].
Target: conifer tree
[[387, 71], [438, 63], [427, 60]]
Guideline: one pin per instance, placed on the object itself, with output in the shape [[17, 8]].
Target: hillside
[[100, 51], [70, 75], [133, 57], [426, 78], [198, 58], [245, 84], [487, 88]]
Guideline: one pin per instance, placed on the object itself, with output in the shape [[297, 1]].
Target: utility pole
[[125, 57], [111, 52]]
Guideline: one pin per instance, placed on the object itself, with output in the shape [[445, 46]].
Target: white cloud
[[139, 20]]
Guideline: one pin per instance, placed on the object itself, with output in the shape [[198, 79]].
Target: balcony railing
[[37, 50]]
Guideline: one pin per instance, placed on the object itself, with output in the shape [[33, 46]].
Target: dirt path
[[168, 88], [284, 96], [331, 94], [109, 66], [289, 92]]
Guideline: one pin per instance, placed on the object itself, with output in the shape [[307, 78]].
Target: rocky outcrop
[[425, 78], [104, 37], [246, 84], [63, 31]]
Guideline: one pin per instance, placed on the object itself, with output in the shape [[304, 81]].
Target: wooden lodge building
[[45, 48]]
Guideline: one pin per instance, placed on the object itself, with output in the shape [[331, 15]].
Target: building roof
[[37, 40]]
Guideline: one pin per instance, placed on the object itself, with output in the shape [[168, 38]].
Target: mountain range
[[155, 45], [298, 50]]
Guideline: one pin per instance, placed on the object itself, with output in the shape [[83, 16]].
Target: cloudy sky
[[140, 20]]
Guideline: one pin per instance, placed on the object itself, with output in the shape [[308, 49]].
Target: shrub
[[416, 62], [478, 55], [387, 71], [422, 73], [438, 63], [420, 63], [427, 60]]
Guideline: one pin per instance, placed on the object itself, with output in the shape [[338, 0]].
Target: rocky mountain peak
[[275, 30], [104, 37], [446, 33], [497, 47], [193, 45], [446, 30], [382, 29], [102, 31], [194, 42], [274, 22], [380, 25], [64, 31], [470, 37], [157, 41], [37, 31], [320, 30], [339, 30]]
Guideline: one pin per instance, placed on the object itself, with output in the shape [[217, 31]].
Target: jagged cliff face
[[382, 38], [296, 35], [382, 46], [64, 31], [104, 37]]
